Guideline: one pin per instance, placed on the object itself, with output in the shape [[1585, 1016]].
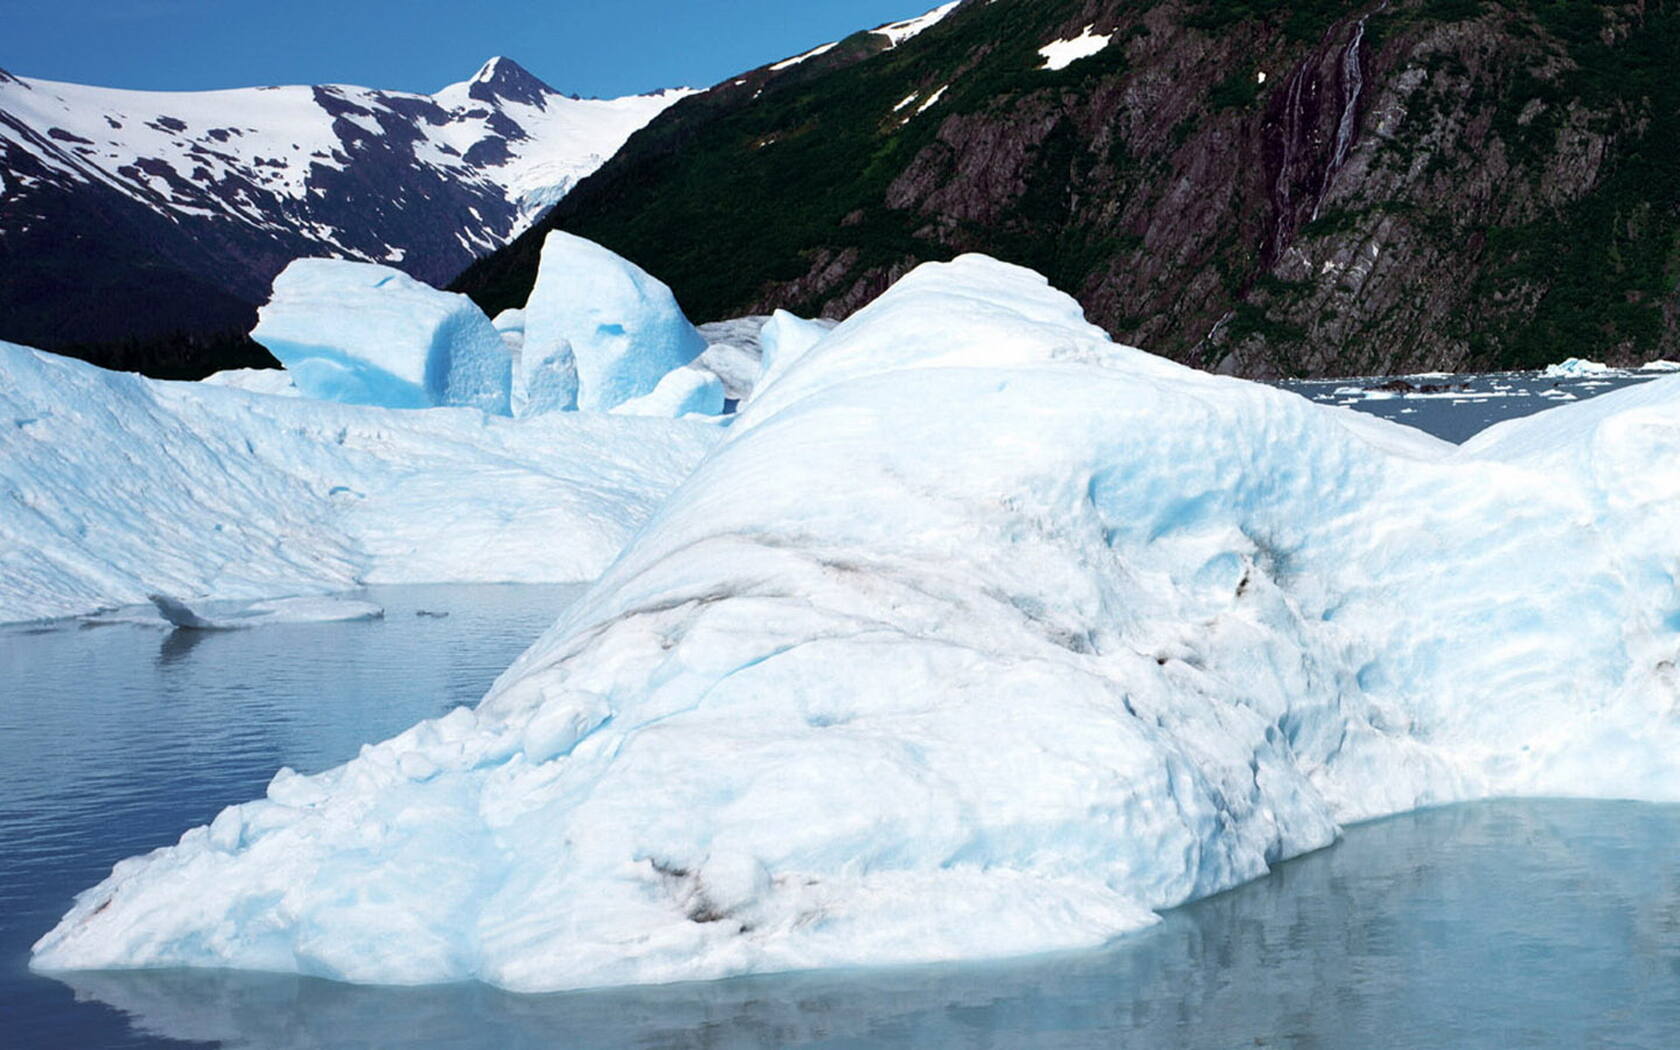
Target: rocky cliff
[[1267, 188]]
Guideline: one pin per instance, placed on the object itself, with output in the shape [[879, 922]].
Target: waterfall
[[1291, 137], [1353, 86]]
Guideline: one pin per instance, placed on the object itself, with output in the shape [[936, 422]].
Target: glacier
[[117, 487], [365, 334], [974, 635], [623, 326]]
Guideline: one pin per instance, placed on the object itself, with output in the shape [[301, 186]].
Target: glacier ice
[[510, 324], [732, 353], [686, 391], [365, 334], [546, 380], [275, 382], [782, 341], [975, 634], [734, 350], [116, 487], [623, 326]]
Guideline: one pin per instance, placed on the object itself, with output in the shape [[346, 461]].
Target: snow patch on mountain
[[1060, 54], [898, 32], [256, 156]]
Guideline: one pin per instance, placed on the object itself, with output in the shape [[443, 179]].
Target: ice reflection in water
[[1510, 924]]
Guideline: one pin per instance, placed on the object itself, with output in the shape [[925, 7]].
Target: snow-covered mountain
[[133, 213]]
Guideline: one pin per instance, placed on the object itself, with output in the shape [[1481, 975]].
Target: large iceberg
[[116, 487], [976, 635], [622, 325], [365, 334]]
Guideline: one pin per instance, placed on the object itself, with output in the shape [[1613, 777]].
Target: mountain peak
[[507, 80]]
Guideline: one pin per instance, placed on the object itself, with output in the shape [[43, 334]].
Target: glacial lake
[[1506, 924]]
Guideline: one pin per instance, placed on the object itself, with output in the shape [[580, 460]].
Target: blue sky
[[606, 47]]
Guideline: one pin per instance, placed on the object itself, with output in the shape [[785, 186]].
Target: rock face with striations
[[1313, 188]]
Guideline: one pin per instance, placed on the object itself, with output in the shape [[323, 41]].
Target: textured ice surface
[[735, 354], [783, 340], [976, 635], [370, 335], [546, 380], [732, 353], [116, 487], [510, 324], [623, 325], [272, 381], [687, 391]]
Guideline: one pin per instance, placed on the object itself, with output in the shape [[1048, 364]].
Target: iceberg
[[183, 616], [623, 326], [975, 635], [364, 334], [1576, 368], [118, 487]]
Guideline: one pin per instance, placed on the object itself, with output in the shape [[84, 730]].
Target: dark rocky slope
[[1269, 188]]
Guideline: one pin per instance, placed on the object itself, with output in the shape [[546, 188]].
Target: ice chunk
[[547, 380], [734, 354], [1576, 367], [689, 391], [976, 635], [783, 341], [365, 334], [265, 496], [256, 614], [1660, 366], [624, 326]]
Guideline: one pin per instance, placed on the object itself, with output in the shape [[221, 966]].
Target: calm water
[[1466, 404], [115, 739]]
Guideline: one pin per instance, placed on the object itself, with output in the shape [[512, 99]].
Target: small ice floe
[[1660, 366], [1575, 367], [258, 614]]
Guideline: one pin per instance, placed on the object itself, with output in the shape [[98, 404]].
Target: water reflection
[[178, 645], [1519, 924]]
